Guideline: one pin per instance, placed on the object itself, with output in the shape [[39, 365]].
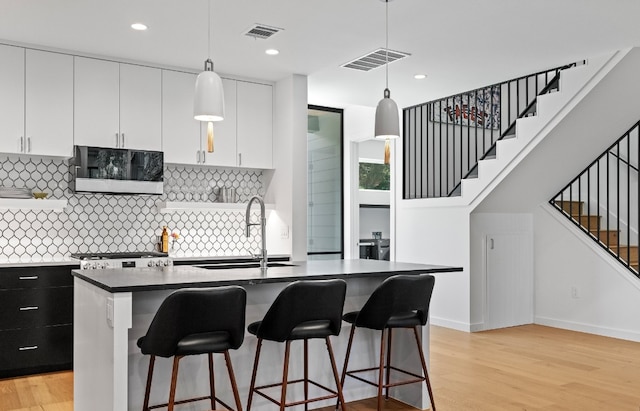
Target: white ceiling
[[460, 45]]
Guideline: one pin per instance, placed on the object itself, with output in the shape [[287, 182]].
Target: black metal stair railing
[[603, 199], [444, 139]]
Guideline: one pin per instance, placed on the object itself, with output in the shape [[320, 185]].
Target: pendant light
[[209, 96], [387, 121]]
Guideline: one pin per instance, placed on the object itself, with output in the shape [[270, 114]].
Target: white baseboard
[[589, 328], [443, 322], [475, 327]]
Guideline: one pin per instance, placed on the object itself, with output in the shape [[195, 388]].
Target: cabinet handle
[[122, 140], [117, 140], [204, 157], [198, 156], [28, 144], [31, 308], [239, 159], [29, 277], [21, 144], [31, 347]]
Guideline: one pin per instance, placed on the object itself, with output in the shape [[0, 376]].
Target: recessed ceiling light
[[420, 76], [138, 26], [272, 52]]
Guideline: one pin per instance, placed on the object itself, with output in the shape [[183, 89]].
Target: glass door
[[325, 198]]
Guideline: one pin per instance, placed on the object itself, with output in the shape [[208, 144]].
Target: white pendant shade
[[209, 97], [387, 119]]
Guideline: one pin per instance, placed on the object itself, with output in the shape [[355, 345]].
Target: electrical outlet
[[110, 312], [574, 292], [284, 232]]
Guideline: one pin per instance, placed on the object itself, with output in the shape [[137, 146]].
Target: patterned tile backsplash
[[116, 223]]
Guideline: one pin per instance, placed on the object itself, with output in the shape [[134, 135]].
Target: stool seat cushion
[[307, 329], [406, 319]]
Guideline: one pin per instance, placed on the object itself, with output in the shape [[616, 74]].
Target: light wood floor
[[520, 368]]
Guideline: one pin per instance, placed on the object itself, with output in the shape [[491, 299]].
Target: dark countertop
[[165, 278]]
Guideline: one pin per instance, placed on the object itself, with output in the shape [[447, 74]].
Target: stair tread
[[632, 247]]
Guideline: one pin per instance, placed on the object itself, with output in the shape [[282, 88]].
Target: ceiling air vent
[[261, 31], [375, 59]]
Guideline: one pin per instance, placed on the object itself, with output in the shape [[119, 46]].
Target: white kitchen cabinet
[[11, 99], [117, 105], [36, 103], [181, 133], [140, 107], [49, 104], [184, 139], [237, 143], [224, 132], [96, 103], [255, 125]]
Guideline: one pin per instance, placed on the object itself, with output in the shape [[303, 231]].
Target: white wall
[[608, 296], [371, 150], [374, 219], [290, 175], [438, 236]]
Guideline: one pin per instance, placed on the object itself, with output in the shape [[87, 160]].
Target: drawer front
[[36, 277], [37, 347], [36, 307]]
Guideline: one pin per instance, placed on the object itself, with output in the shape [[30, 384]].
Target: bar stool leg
[[424, 368], [335, 373], [174, 380], [285, 376], [306, 374], [253, 375], [147, 390], [212, 383], [381, 371], [232, 378], [388, 363], [346, 359]]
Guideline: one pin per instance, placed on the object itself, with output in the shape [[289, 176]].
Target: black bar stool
[[401, 301], [192, 322], [302, 311]]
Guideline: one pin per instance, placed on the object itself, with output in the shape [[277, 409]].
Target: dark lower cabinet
[[34, 350], [36, 320]]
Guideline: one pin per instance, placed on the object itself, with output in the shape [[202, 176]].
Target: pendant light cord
[[386, 50], [209, 28]]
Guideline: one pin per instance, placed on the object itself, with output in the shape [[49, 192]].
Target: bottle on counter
[[165, 239]]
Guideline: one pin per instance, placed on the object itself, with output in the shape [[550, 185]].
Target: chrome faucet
[[263, 229]]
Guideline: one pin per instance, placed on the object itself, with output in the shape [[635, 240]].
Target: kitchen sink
[[256, 264]]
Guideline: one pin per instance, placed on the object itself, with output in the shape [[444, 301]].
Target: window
[[324, 191], [374, 176]]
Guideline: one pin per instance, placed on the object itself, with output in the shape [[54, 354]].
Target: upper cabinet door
[[96, 95], [140, 107], [255, 123], [180, 131], [224, 132], [49, 104], [11, 99]]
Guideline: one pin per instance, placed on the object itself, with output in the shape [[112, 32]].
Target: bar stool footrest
[[153, 407], [417, 378], [334, 394]]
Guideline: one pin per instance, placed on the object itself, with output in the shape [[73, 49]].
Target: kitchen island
[[114, 307]]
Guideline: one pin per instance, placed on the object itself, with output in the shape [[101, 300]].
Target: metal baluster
[[628, 199]]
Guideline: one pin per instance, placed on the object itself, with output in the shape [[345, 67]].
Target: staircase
[[604, 199], [597, 229], [468, 181]]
